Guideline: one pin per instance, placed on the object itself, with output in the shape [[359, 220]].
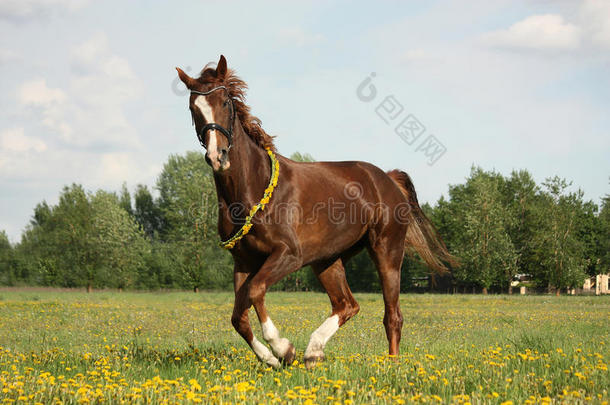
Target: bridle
[[212, 125], [275, 168]]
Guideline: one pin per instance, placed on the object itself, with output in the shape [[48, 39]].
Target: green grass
[[75, 347]]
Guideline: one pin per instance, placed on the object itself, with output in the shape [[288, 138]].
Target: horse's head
[[213, 113]]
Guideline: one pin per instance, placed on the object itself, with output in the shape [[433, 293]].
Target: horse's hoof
[[311, 362], [289, 356]]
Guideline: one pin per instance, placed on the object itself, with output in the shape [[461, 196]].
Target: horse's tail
[[422, 237]]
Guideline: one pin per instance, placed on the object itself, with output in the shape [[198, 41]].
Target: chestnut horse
[[320, 214]]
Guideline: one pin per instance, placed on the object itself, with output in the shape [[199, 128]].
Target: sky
[[89, 93]]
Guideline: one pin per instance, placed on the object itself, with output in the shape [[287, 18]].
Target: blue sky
[[89, 94]]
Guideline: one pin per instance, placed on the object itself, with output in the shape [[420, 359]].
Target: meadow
[[72, 347]]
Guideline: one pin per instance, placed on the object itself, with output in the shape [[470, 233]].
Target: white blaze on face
[[206, 110], [320, 337], [280, 346]]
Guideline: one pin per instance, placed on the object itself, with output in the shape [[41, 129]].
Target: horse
[[303, 213]]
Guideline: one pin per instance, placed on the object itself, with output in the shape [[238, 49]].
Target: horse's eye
[[226, 103]]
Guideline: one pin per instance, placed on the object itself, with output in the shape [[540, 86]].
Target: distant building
[[599, 283]]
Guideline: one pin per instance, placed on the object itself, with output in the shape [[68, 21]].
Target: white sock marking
[[320, 337], [280, 346], [264, 354]]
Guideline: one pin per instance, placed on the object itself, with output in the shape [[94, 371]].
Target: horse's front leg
[[279, 264], [241, 320]]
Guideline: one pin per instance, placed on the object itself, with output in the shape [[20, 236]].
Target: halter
[[214, 126]]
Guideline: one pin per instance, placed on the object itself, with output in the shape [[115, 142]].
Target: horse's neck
[[247, 177]]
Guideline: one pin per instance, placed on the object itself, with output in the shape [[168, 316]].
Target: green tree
[[84, 240], [589, 229], [125, 200], [69, 232], [42, 213], [603, 250], [160, 269], [188, 203], [521, 196], [448, 217], [415, 270], [146, 212], [559, 251], [34, 255], [488, 255], [121, 244], [7, 276], [361, 273], [302, 157]]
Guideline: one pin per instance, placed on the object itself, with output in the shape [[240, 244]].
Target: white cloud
[[595, 16], [51, 103], [14, 140], [547, 32], [19, 10], [19, 154], [90, 111], [95, 55], [34, 164], [118, 167], [589, 31], [88, 52], [86, 133], [37, 93]]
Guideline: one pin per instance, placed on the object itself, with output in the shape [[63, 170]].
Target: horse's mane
[[237, 91]]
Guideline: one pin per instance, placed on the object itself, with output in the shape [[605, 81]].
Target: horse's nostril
[[224, 153]]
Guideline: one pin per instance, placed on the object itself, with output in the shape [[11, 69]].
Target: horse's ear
[[221, 68], [186, 79]]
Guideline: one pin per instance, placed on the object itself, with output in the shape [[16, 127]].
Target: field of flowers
[[69, 347]]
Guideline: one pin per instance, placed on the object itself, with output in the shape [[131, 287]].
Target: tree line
[[498, 226]]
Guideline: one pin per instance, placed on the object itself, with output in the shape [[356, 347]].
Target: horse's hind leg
[[387, 253], [344, 306]]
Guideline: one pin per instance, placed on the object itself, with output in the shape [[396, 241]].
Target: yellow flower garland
[[275, 172]]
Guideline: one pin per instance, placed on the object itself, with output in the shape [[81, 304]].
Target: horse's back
[[352, 178], [339, 202]]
